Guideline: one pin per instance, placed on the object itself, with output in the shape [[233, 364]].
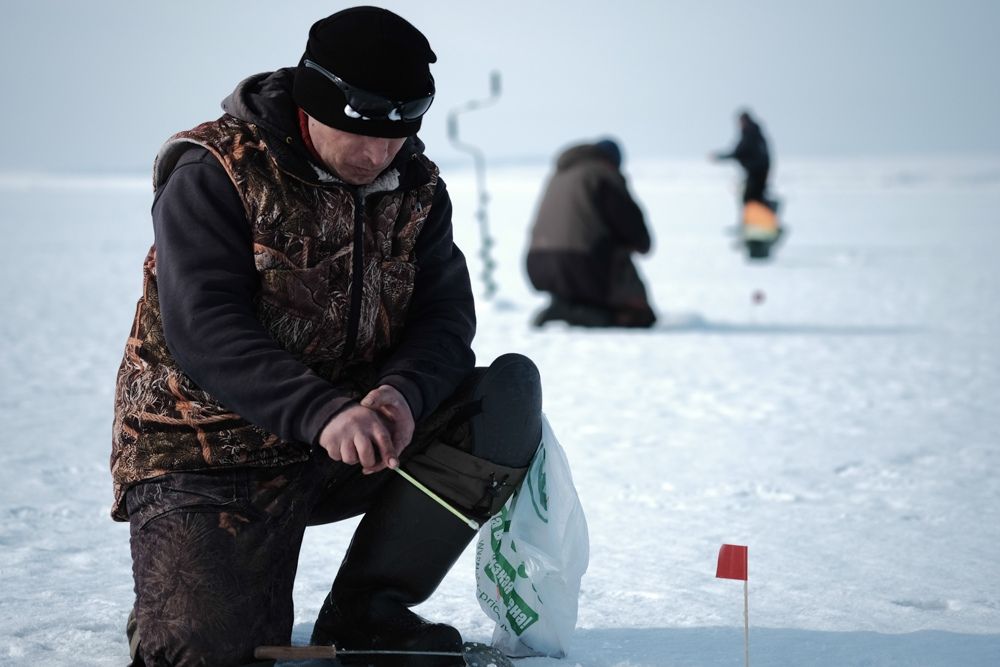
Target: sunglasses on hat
[[372, 106]]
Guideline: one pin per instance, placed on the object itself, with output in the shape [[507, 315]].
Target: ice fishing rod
[[479, 160], [471, 523]]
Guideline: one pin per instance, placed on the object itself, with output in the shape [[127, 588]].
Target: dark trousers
[[214, 553], [755, 188], [600, 289]]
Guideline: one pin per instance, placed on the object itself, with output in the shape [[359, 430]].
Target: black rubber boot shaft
[[402, 549]]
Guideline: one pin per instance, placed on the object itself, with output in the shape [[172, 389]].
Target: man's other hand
[[388, 402], [359, 435]]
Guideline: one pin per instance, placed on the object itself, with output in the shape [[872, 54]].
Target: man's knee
[[481, 458], [192, 645], [202, 625], [212, 624], [508, 425]]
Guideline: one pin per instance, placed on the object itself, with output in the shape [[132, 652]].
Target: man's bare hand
[[359, 435], [390, 404]]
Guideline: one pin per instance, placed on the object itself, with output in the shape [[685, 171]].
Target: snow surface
[[847, 428]]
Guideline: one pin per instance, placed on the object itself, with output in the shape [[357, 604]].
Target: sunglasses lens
[[415, 108], [368, 105], [374, 106]]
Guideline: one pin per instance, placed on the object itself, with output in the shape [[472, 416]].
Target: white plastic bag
[[531, 556]]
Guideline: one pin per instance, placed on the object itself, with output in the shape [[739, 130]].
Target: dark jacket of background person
[[585, 231], [751, 151], [753, 155]]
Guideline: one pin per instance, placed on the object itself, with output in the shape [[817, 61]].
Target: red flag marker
[[733, 565], [732, 562]]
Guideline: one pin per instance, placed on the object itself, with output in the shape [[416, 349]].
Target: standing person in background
[[585, 231], [753, 155], [305, 324]]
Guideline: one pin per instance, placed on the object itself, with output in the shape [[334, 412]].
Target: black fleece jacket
[[751, 151], [207, 282]]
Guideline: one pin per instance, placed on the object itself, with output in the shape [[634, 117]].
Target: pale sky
[[98, 85]]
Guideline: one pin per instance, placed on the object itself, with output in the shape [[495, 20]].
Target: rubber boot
[[402, 549]]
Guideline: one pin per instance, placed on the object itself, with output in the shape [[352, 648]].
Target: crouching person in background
[[305, 325], [585, 231]]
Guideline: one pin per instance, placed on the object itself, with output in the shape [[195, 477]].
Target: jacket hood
[[583, 153], [266, 101]]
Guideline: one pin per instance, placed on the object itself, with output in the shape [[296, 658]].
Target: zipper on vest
[[357, 274]]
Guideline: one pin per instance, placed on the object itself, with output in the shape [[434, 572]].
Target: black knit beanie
[[372, 49], [611, 150]]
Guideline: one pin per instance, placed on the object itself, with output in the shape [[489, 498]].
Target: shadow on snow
[[695, 323]]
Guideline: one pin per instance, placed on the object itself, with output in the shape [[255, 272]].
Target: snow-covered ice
[[846, 428]]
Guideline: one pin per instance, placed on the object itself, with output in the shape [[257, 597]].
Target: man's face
[[357, 159]]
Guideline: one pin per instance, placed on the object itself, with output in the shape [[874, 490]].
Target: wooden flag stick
[[746, 621]]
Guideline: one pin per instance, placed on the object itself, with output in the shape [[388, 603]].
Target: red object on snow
[[732, 562]]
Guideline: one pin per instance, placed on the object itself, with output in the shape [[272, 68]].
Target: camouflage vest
[[304, 247]]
